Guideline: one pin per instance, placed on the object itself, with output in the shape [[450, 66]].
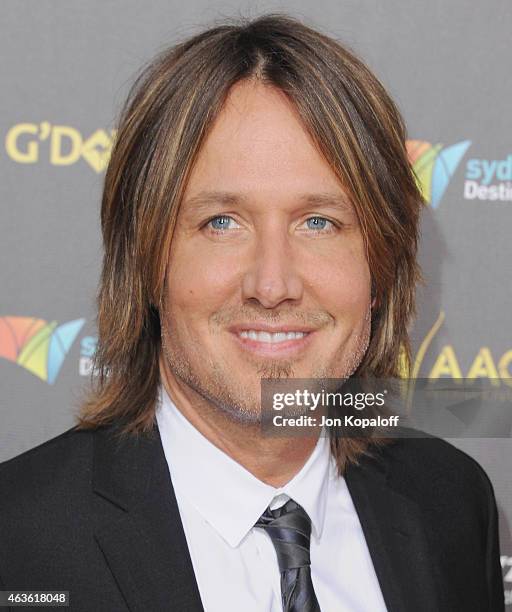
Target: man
[[260, 220]]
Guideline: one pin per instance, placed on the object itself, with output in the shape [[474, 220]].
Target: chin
[[242, 417]]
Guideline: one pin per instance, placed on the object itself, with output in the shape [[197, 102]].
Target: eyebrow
[[204, 199]]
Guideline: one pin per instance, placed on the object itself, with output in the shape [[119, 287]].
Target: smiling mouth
[[272, 338], [273, 344]]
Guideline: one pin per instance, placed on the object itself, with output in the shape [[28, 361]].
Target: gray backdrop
[[66, 68]]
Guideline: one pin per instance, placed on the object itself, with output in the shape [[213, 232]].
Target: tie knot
[[289, 528]]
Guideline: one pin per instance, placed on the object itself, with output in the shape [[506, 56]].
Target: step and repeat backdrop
[[66, 69]]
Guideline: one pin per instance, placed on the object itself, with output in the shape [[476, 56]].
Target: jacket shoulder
[[428, 463], [45, 469]]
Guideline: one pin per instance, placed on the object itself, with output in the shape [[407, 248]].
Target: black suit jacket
[[97, 517]]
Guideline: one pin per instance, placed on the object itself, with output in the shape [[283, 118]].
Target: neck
[[274, 461]]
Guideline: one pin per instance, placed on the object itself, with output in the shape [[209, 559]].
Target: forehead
[[258, 144]]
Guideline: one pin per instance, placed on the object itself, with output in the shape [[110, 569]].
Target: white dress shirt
[[235, 564]]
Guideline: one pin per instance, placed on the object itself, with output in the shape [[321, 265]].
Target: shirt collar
[[227, 495]]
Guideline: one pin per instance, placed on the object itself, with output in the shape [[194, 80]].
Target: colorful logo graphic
[[435, 166], [36, 345]]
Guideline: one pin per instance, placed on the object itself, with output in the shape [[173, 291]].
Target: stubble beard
[[240, 405]]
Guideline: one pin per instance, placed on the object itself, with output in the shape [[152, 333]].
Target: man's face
[[260, 245]]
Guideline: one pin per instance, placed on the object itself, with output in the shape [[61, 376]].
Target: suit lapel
[[394, 530], [142, 539]]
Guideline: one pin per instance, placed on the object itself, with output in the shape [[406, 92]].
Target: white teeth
[[262, 336]]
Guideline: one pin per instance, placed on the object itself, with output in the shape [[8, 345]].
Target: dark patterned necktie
[[289, 528]]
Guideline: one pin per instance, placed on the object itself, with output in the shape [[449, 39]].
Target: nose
[[272, 277]]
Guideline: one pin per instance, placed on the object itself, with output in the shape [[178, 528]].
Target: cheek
[[347, 298], [197, 282], [341, 282]]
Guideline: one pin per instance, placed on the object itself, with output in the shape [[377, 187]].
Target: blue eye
[[319, 223], [222, 220]]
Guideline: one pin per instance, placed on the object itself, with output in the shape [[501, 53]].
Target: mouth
[[273, 344]]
